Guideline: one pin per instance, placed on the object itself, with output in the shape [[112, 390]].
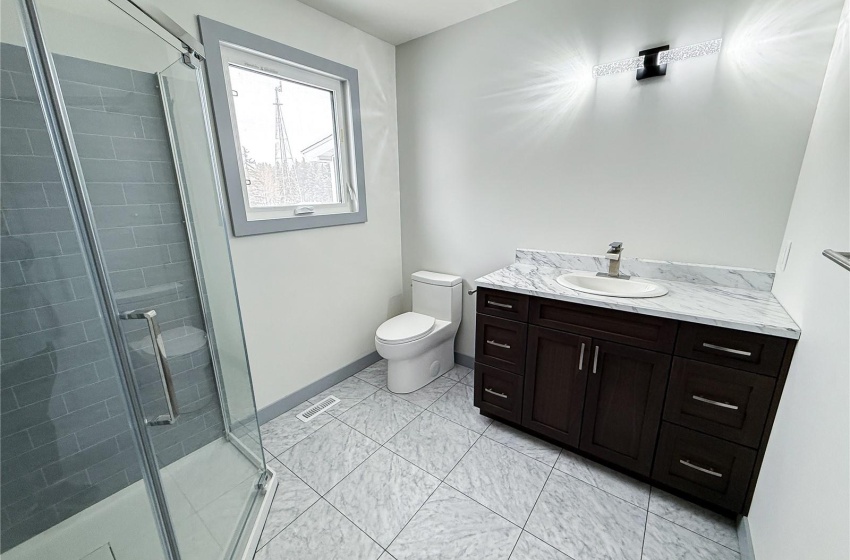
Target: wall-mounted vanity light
[[653, 62]]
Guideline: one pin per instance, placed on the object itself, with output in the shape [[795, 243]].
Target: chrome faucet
[[615, 251]]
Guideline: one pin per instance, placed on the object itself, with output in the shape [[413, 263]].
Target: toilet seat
[[406, 327]]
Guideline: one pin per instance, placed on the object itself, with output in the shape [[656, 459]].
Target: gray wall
[[64, 432]]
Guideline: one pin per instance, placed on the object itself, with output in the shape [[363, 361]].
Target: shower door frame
[[70, 170]]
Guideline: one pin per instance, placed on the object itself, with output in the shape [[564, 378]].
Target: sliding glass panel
[[72, 483]]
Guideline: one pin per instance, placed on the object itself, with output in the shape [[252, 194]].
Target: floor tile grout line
[[603, 490], [643, 540], [358, 527], [414, 514], [276, 535], [517, 450]]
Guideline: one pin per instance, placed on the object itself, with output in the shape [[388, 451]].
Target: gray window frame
[[213, 34]]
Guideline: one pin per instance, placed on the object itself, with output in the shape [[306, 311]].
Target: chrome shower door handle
[[161, 364]]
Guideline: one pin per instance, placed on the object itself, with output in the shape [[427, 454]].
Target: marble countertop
[[738, 308]]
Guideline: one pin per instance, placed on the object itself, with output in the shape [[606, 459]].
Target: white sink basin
[[612, 287]]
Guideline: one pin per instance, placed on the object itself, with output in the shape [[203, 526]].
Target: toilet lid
[[406, 327]]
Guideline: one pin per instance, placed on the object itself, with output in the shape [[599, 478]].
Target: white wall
[[311, 300], [506, 141], [801, 507]]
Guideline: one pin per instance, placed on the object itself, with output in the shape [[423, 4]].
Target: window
[[289, 131]]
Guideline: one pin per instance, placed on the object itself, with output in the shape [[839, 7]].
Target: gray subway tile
[[171, 213], [21, 114], [145, 82], [154, 128], [7, 87], [67, 424], [15, 141], [77, 94], [11, 274], [141, 149], [102, 431], [162, 234], [22, 221], [83, 397], [152, 193], [29, 246], [69, 243], [19, 298], [23, 195], [163, 172], [171, 272], [95, 73], [24, 86], [67, 312], [23, 169], [113, 464], [22, 372], [81, 354], [39, 142], [127, 280], [79, 462], [106, 194], [55, 193], [53, 385], [131, 103], [140, 257], [129, 215], [28, 345], [179, 252], [94, 146], [86, 121], [116, 238], [18, 323], [82, 287], [110, 171], [47, 269], [14, 58]]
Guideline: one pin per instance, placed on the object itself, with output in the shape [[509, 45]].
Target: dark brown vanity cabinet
[[687, 406]]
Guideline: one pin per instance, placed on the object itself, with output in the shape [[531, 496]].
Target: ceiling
[[399, 21]]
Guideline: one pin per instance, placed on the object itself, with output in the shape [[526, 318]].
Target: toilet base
[[408, 375]]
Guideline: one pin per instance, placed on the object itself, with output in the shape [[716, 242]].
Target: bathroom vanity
[[679, 390]]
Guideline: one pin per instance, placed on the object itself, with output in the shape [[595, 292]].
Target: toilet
[[419, 345]]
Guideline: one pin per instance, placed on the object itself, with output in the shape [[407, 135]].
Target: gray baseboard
[[745, 540], [289, 402], [464, 360]]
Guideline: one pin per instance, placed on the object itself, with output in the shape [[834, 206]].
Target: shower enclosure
[[128, 427]]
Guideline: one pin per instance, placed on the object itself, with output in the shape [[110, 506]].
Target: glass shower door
[[135, 109]]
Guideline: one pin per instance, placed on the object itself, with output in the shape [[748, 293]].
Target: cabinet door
[[555, 377], [622, 409]]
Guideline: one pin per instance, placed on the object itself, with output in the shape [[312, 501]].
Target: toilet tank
[[438, 295]]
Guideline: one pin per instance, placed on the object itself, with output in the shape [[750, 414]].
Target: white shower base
[[207, 492]]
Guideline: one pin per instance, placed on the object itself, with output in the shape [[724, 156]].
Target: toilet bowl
[[419, 345]]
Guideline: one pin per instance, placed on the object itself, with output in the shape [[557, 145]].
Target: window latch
[[302, 210]]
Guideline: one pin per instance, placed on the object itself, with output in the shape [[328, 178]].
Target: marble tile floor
[[424, 476]]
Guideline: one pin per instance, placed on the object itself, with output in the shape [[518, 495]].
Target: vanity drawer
[[643, 331], [502, 304], [720, 401], [704, 466], [500, 343], [498, 392], [758, 353]]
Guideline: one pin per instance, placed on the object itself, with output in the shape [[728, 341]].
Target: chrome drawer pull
[[715, 403], [497, 304], [499, 344], [595, 358], [492, 392], [581, 357], [700, 469], [724, 349]]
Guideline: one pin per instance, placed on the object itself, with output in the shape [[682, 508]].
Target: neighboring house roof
[[324, 149]]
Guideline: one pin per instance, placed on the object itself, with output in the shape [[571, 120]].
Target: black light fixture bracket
[[651, 68]]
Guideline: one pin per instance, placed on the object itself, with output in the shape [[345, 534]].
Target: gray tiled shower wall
[[65, 439]]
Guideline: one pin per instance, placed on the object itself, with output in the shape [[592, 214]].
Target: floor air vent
[[317, 409]]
